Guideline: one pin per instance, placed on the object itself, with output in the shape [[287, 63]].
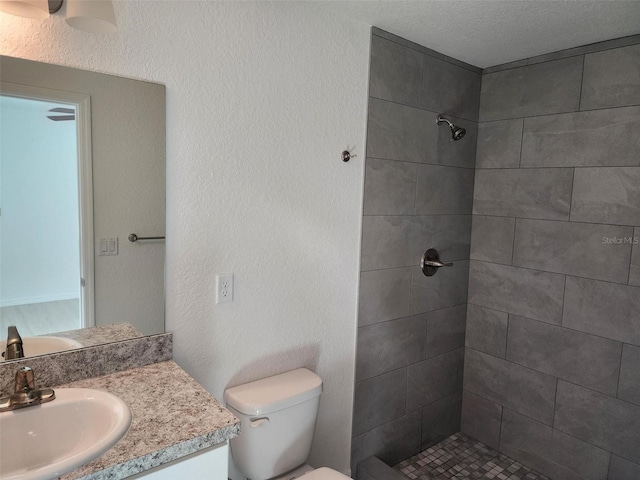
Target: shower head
[[456, 132]]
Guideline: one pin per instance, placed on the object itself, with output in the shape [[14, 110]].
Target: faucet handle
[[14, 344], [25, 380], [25, 392]]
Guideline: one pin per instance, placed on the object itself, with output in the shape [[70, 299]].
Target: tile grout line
[[633, 246], [581, 84], [521, 144], [506, 338], [619, 372], [513, 242], [555, 404]]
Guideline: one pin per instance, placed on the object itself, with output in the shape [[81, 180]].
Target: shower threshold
[[461, 457]]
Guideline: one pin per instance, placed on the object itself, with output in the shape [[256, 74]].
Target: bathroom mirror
[[127, 164]]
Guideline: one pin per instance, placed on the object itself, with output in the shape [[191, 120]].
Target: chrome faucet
[[25, 392], [14, 344]]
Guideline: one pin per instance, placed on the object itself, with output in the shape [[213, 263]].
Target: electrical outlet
[[224, 288]]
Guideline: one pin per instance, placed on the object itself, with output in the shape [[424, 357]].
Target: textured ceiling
[[485, 33]]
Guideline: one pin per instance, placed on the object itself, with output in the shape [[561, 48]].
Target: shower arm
[[440, 119]]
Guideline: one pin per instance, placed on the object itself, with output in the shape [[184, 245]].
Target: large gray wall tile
[[604, 309], [492, 239], [393, 241], [541, 89], [450, 89], [434, 379], [441, 419], [389, 187], [384, 295], [408, 43], [543, 193], [444, 190], [505, 66], [551, 452], [400, 132], [395, 72], [459, 63], [459, 153], [445, 289], [629, 389], [565, 354], [379, 400], [481, 419], [552, 247], [390, 345], [597, 138], [499, 144], [401, 136], [391, 442], [524, 292], [606, 195], [445, 330], [513, 386], [611, 78], [622, 469], [634, 271], [486, 330], [583, 49], [601, 420], [451, 237], [372, 468]]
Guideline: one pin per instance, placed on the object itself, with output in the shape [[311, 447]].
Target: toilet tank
[[278, 416]]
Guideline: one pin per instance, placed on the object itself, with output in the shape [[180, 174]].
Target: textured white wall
[[261, 99]]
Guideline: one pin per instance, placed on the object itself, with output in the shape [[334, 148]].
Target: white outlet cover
[[224, 287]]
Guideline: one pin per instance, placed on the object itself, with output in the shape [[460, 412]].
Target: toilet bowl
[[278, 417]]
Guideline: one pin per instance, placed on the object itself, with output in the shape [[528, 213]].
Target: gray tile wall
[[552, 359], [418, 194]]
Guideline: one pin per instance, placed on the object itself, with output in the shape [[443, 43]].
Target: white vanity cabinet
[[209, 464]]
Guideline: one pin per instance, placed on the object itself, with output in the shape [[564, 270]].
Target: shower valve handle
[[430, 262]]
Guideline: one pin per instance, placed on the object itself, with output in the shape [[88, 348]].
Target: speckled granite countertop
[[99, 335], [173, 416]]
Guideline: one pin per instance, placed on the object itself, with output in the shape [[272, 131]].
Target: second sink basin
[[45, 441], [43, 345]]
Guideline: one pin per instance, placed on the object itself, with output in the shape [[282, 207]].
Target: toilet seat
[[323, 473]]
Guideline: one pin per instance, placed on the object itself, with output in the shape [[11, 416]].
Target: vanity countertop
[[173, 416]]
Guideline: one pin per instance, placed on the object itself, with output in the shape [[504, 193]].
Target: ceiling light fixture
[[91, 15], [94, 16]]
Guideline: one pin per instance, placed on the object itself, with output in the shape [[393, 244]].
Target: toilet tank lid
[[274, 393]]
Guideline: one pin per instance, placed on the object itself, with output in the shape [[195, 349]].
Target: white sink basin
[[33, 346], [47, 440]]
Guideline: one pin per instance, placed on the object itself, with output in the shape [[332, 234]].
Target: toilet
[[278, 417]]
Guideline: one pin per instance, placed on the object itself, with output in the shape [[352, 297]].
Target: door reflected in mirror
[[42, 257]]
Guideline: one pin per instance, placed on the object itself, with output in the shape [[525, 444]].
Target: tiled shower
[[538, 207]]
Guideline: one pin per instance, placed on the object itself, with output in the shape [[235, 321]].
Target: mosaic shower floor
[[461, 457]]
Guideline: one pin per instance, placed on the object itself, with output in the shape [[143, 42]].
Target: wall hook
[[346, 156]]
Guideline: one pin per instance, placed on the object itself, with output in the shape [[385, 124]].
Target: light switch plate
[[108, 246]]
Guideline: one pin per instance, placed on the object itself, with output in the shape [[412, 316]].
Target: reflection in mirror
[[45, 172], [127, 153], [72, 339]]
